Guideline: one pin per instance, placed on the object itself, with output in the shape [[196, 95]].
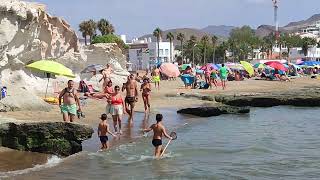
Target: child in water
[[103, 130], [158, 131]]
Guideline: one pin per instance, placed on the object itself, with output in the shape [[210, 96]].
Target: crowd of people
[[116, 104]]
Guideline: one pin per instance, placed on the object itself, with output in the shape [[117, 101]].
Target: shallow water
[[270, 143]]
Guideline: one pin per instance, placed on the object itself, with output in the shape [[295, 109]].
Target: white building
[[143, 53]]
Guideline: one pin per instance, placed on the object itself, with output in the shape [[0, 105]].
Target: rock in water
[[214, 111], [57, 138]]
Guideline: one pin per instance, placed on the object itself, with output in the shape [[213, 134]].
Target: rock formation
[[110, 53], [214, 111], [57, 138], [28, 33]]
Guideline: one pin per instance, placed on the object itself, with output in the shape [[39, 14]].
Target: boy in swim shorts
[[103, 130], [158, 131]]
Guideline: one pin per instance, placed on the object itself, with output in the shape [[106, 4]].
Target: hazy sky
[[138, 17]]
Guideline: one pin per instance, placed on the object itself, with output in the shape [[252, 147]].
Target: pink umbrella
[[276, 65], [169, 70], [299, 61]]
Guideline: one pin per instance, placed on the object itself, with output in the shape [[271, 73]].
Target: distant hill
[[264, 30], [222, 31]]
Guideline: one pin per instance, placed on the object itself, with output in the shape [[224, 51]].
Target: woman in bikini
[[146, 91], [117, 107]]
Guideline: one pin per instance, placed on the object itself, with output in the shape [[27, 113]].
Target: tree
[[291, 41], [105, 27], [214, 40], [242, 37], [306, 43], [181, 37], [158, 33], [92, 29], [269, 41], [205, 41], [170, 37], [110, 38], [84, 28]]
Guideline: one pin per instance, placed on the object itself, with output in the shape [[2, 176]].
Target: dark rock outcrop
[[57, 138], [270, 100], [214, 111]]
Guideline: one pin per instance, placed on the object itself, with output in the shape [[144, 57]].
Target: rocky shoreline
[[214, 111], [57, 138]]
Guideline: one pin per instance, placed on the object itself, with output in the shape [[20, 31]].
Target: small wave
[[51, 162]]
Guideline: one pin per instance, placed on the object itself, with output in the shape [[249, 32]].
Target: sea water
[[268, 143]]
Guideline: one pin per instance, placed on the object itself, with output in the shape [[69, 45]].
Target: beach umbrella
[[235, 66], [51, 67], [299, 61], [259, 66], [277, 65], [169, 70], [184, 66], [248, 67], [93, 68]]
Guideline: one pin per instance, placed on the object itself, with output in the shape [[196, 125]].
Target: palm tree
[[181, 37], [205, 41], [92, 29], [269, 41], [214, 40], [105, 27], [84, 28], [170, 37], [158, 33], [306, 43]]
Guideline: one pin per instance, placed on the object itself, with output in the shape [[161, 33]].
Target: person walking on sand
[[103, 131], [146, 91], [131, 88], [223, 76], [70, 102], [156, 77], [158, 131], [116, 110]]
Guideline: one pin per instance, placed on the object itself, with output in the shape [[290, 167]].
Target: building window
[[167, 52], [165, 59], [161, 52]]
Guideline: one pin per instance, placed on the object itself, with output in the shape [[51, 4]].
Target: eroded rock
[[214, 111], [57, 138]]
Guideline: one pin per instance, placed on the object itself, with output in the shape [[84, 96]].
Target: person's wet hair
[[222, 65], [103, 117], [159, 117]]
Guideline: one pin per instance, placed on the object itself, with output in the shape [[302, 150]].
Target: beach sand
[[159, 99]]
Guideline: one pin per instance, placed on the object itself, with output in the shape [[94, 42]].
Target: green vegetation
[[110, 38], [158, 33], [170, 37]]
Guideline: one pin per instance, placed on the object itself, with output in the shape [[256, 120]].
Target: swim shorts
[[103, 139], [156, 78], [116, 110], [70, 109], [156, 142], [224, 78], [130, 100]]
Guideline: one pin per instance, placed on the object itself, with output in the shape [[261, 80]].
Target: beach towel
[[187, 79]]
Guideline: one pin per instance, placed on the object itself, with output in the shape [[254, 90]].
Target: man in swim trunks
[[103, 130], [156, 77], [131, 88], [158, 131], [70, 102], [223, 76]]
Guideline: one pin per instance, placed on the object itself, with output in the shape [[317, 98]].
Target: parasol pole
[[48, 76]]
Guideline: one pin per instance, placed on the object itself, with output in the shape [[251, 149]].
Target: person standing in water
[[156, 77], [103, 131], [223, 76], [131, 88], [146, 91], [70, 102], [117, 108], [158, 131]]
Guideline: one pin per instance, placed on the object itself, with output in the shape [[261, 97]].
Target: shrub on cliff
[[110, 38]]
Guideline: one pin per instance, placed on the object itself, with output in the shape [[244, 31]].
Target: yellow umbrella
[[248, 67], [51, 67]]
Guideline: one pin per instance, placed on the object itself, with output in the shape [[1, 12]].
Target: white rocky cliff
[[28, 33]]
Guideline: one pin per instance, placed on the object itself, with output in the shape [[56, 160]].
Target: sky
[[135, 18]]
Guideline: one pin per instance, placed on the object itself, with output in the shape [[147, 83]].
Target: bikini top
[[116, 101]]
